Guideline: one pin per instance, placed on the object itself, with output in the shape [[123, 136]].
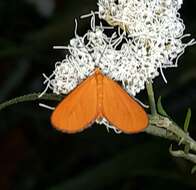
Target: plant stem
[[158, 125], [30, 97], [151, 98], [163, 127]]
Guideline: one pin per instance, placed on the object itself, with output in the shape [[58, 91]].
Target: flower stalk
[[151, 98]]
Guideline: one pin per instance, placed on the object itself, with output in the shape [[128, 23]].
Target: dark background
[[35, 156]]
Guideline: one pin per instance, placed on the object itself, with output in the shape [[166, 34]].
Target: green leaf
[[187, 120], [160, 108], [193, 170]]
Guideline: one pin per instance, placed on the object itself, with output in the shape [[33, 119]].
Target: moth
[[98, 97]]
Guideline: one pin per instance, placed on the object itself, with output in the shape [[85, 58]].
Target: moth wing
[[121, 110], [76, 111]]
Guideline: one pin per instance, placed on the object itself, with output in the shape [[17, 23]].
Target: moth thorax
[[99, 93]]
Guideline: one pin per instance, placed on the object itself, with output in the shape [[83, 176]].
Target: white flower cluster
[[153, 41], [150, 18], [155, 24], [115, 58]]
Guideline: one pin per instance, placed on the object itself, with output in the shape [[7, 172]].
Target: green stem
[[151, 98], [158, 125], [30, 97]]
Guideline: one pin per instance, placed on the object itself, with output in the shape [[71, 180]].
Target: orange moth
[[99, 97]]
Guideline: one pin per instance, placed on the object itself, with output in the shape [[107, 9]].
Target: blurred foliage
[[35, 156]]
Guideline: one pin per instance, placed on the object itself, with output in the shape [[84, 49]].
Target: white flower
[[141, 17], [95, 49], [154, 26], [154, 42]]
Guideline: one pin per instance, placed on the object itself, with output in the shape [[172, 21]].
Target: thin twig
[[151, 98], [162, 126], [181, 154], [30, 97], [165, 128], [158, 125]]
